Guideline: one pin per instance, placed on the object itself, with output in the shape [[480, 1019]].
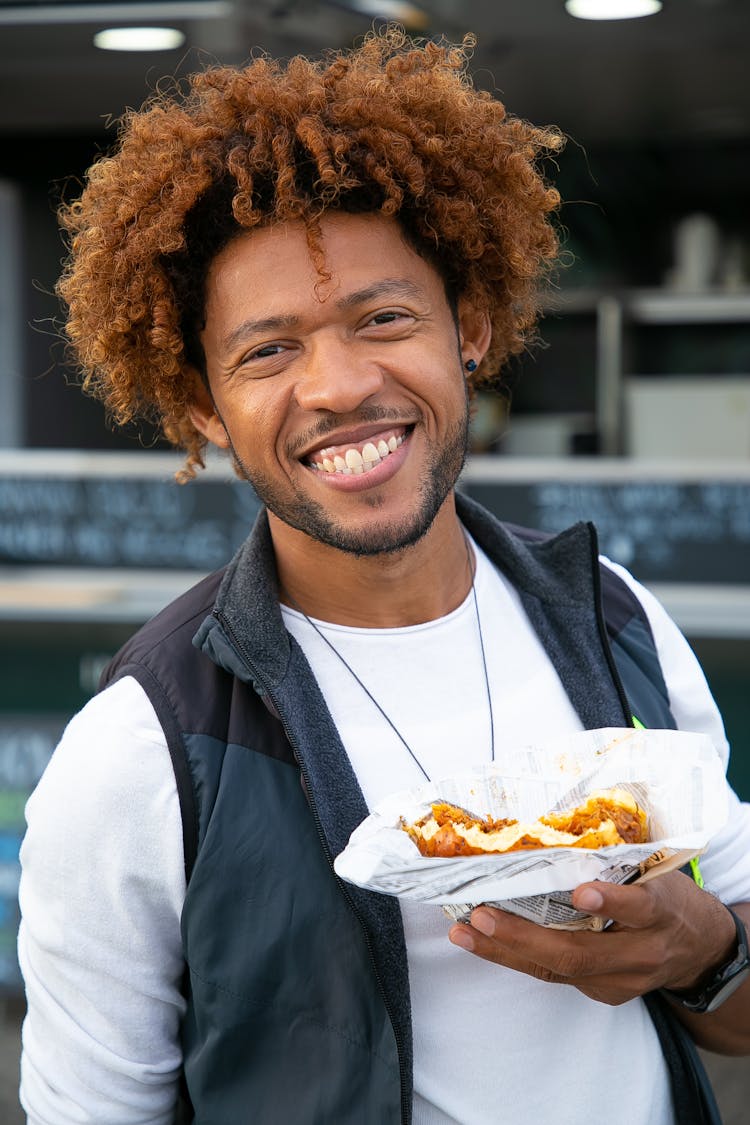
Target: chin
[[378, 537]]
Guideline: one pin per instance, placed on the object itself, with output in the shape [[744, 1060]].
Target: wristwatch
[[726, 980]]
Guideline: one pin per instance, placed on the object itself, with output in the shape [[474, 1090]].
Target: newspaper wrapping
[[677, 777]]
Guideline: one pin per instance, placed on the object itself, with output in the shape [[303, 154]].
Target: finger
[[633, 907], [470, 939], [607, 988], [600, 965], [546, 953], [500, 936]]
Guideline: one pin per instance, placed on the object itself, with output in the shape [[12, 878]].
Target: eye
[[385, 317], [267, 351], [263, 360], [389, 318], [260, 359]]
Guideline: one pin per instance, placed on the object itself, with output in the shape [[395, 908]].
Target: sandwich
[[606, 817]]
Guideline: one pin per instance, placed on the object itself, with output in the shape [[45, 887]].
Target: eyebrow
[[253, 327], [388, 287]]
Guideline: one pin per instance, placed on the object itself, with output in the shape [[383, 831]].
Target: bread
[[606, 817]]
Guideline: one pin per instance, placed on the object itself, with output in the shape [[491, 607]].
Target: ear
[[474, 331], [202, 413]]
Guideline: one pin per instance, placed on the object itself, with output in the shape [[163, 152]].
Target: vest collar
[[245, 629], [551, 568], [559, 584], [551, 573]]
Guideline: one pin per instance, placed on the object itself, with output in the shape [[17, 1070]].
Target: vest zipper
[[602, 627], [259, 678]]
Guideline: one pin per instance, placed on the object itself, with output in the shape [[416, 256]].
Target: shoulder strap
[[169, 724], [634, 653]]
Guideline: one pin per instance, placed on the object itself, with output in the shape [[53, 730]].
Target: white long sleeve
[[99, 945]]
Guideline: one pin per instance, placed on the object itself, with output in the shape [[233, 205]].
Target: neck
[[420, 583]]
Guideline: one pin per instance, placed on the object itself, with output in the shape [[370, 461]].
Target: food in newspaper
[[606, 817]]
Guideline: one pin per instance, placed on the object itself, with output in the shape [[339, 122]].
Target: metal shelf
[[663, 307], [655, 306], [614, 311], [58, 595], [707, 611]]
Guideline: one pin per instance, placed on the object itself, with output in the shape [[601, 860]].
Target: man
[[310, 267]]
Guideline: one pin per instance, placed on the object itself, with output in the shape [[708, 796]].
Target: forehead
[[275, 268]]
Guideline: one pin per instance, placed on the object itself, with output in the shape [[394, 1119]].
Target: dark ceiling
[[679, 76]]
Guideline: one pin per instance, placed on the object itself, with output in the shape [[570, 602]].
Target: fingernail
[[461, 936], [590, 900], [483, 922]]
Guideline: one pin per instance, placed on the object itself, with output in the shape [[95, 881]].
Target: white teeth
[[353, 462], [370, 456], [370, 453]]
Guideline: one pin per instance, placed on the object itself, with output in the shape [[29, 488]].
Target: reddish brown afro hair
[[393, 126]]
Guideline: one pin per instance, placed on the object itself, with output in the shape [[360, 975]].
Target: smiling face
[[343, 401]]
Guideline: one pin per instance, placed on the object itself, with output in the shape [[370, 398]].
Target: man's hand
[[666, 933]]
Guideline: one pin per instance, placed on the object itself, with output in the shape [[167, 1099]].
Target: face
[[342, 397]]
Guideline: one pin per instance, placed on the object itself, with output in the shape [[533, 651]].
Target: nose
[[337, 377]]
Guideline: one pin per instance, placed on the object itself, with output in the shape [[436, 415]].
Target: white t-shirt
[[103, 885]]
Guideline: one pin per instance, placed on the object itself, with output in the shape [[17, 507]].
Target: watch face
[[728, 978], [727, 987]]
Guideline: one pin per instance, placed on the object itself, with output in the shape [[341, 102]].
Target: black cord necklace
[[372, 698]]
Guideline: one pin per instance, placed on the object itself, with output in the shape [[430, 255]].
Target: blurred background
[[633, 412]]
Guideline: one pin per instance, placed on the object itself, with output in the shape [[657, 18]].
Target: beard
[[441, 472]]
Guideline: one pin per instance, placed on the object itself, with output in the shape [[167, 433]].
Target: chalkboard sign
[[662, 530], [123, 522]]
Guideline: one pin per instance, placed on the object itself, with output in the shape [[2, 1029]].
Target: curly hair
[[393, 126]]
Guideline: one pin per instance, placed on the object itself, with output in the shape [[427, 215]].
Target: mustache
[[329, 423]]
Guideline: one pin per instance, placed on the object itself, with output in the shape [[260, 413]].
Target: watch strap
[[724, 980]]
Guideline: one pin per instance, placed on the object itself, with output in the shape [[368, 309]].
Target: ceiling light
[[139, 39], [112, 13], [612, 9], [403, 11]]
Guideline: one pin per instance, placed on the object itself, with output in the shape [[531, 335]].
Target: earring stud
[[470, 365]]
